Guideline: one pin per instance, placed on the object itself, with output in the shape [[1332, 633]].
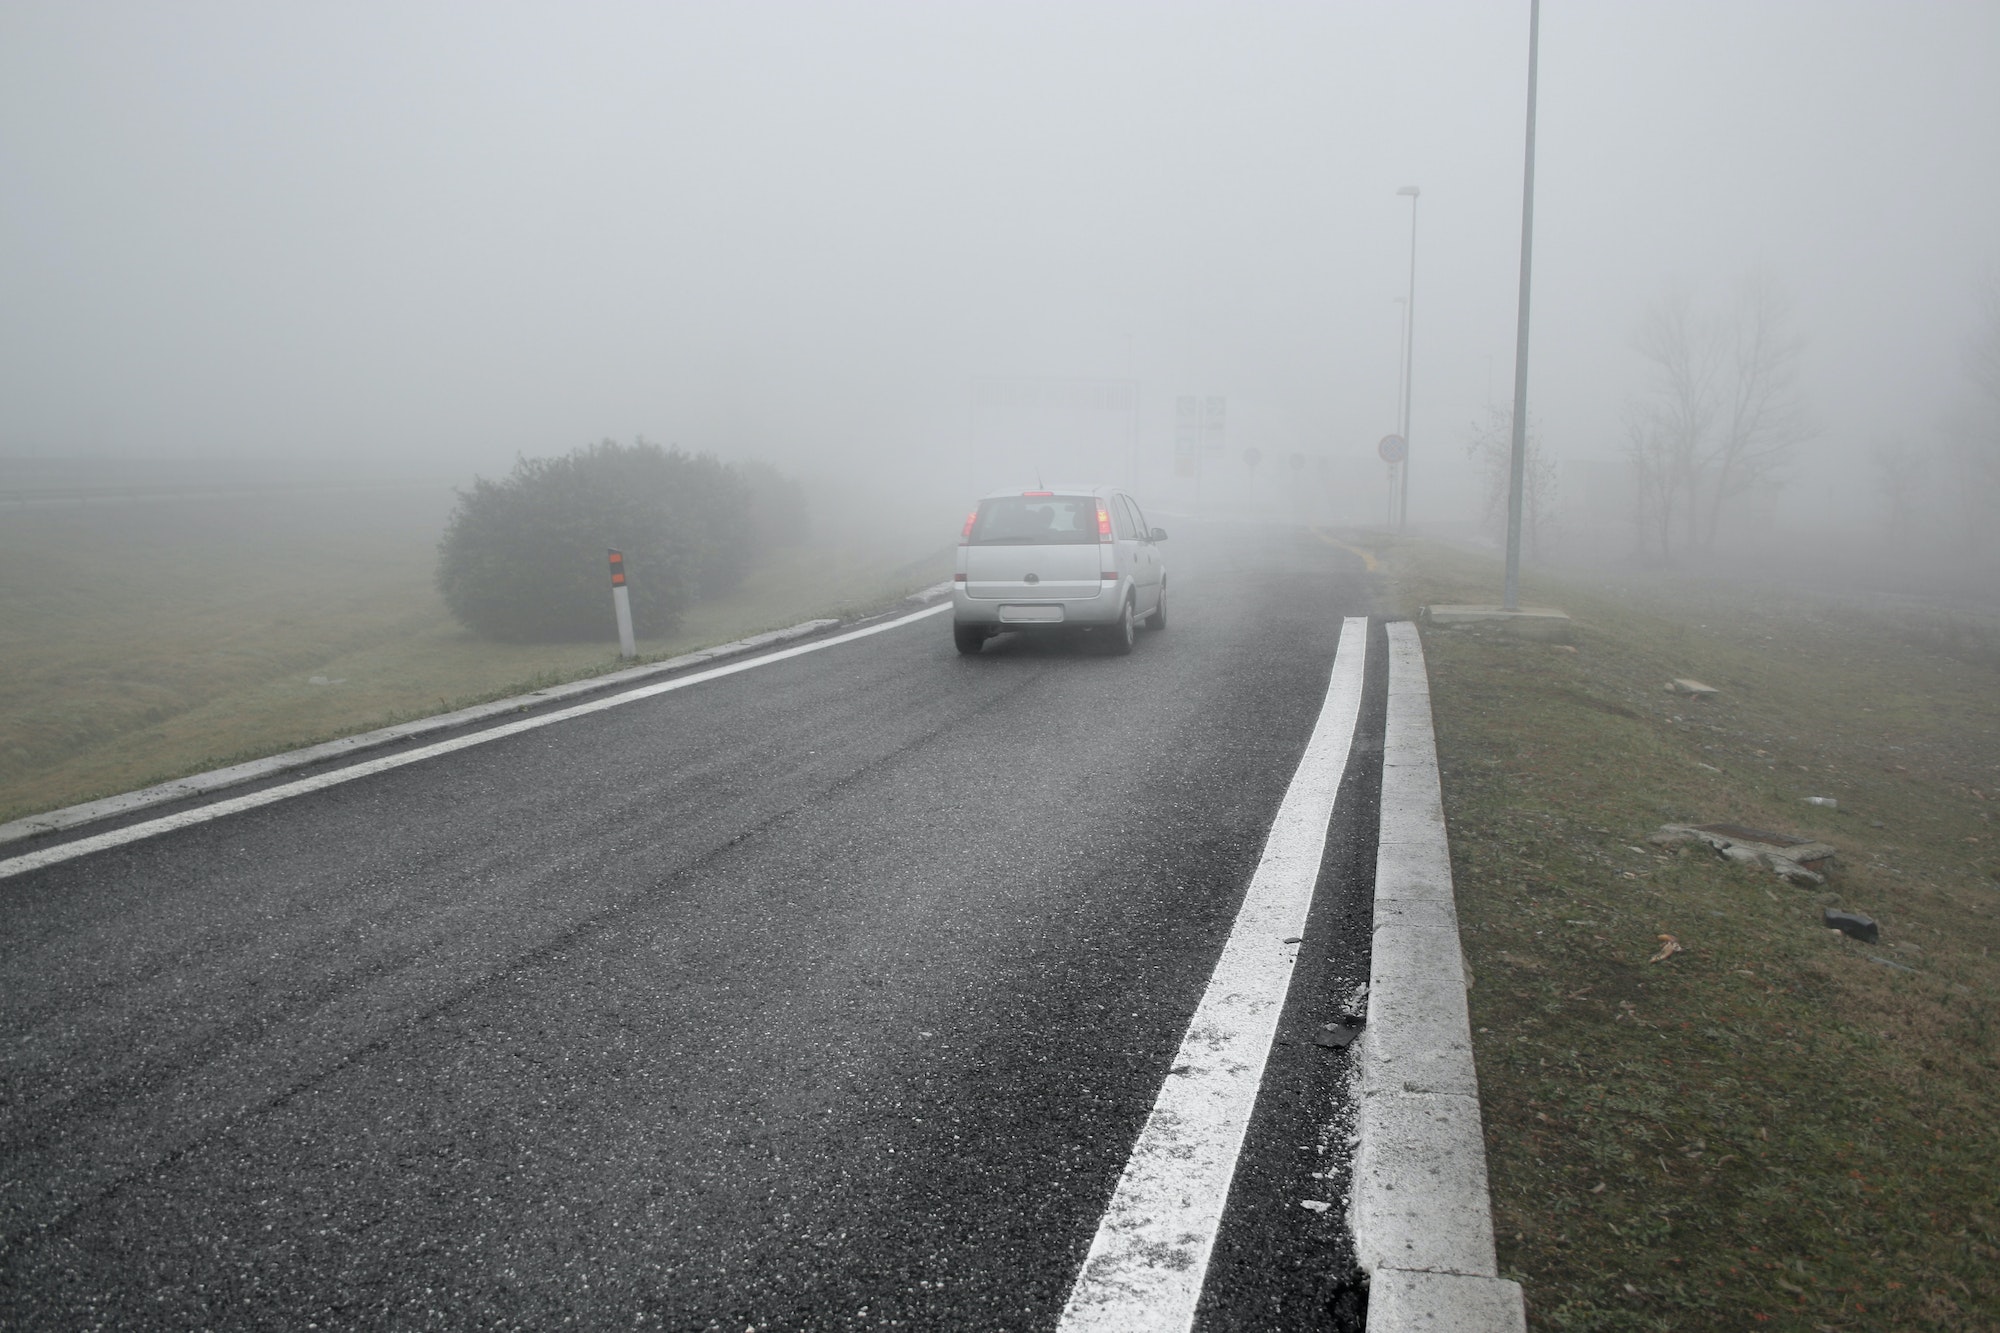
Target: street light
[[1395, 493], [1402, 322], [1409, 353], [1517, 454]]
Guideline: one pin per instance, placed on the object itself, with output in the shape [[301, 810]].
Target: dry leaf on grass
[[1669, 946]]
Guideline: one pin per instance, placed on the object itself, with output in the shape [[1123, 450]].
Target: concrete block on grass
[[1527, 622]]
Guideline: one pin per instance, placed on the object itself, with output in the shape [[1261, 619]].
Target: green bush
[[523, 560], [778, 513]]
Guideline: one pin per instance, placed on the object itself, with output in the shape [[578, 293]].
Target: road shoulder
[[257, 770]]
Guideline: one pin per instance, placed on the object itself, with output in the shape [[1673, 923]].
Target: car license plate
[[1030, 615]]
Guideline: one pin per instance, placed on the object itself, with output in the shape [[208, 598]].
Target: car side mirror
[[1159, 535]]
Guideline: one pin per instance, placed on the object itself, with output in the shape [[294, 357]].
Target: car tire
[[1125, 632], [969, 638], [1158, 620]]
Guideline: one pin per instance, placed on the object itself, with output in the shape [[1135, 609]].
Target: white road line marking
[[68, 851], [1146, 1266]]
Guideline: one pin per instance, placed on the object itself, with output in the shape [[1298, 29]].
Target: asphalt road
[[831, 994]]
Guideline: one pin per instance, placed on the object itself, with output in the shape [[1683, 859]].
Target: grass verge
[[150, 639], [1776, 1127]]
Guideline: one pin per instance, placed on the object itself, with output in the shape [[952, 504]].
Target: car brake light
[[958, 578], [1109, 576], [1038, 495], [1103, 524], [965, 533]]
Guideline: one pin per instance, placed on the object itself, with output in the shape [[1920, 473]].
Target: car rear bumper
[[1039, 613]]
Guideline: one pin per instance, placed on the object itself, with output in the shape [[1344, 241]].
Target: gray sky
[[462, 231]]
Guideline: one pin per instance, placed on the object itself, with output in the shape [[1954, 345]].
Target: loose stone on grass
[[1792, 872], [1852, 924], [1794, 860]]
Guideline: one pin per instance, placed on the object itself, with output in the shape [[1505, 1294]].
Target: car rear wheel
[[1158, 620], [1125, 632], [969, 638]]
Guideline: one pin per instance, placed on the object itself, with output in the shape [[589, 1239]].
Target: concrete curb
[[1422, 1219], [236, 775]]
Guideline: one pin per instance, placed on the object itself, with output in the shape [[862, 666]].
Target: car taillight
[[965, 533], [1103, 524], [958, 578], [1109, 576]]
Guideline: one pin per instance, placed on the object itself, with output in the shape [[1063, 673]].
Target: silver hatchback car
[[1065, 559]]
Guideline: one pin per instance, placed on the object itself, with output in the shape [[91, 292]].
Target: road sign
[[1214, 417], [1393, 449]]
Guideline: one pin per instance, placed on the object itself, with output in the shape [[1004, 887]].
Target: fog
[[433, 236]]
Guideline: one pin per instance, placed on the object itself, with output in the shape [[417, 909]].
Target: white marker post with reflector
[[621, 602]]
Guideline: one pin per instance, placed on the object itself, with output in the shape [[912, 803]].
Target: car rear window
[[1035, 520]]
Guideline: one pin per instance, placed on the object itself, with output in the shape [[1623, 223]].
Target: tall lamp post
[[1543, 622], [1395, 491], [1409, 354], [1517, 454]]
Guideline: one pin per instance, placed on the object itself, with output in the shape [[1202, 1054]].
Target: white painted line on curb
[[1149, 1258], [1422, 1219], [318, 782]]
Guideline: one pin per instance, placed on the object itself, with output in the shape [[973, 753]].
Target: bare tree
[[1722, 414], [1899, 476], [1651, 448], [1982, 351], [1763, 420], [1670, 426], [1490, 446], [1974, 457]]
